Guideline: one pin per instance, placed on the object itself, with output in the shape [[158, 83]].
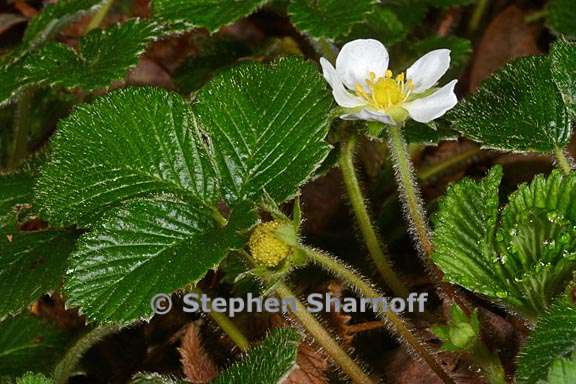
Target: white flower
[[364, 86]]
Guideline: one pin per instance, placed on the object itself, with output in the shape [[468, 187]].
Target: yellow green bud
[[265, 245]]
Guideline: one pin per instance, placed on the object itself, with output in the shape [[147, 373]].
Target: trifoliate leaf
[[563, 371], [211, 14], [563, 58], [562, 17], [56, 16], [267, 124], [553, 338], [31, 264], [519, 108], [146, 247], [29, 344], [34, 378], [328, 18], [464, 228], [131, 142], [267, 363]]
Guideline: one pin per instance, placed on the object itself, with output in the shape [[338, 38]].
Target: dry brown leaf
[[507, 37], [196, 364], [311, 366]]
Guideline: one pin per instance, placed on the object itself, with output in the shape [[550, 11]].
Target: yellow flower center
[[385, 92], [266, 248]]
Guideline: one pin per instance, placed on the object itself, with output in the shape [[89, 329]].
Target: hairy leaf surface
[[518, 108], [267, 124], [553, 338], [328, 18], [266, 363], [146, 247], [132, 142]]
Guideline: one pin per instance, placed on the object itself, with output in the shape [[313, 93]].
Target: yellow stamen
[[388, 74], [385, 92]]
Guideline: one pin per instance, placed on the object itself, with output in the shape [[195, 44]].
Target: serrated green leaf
[[31, 264], [29, 344], [328, 18], [554, 337], [56, 16], [132, 142], [34, 378], [102, 57], [518, 108], [563, 371], [146, 247], [211, 14], [563, 59], [267, 363], [267, 124], [562, 17], [464, 227], [527, 260]]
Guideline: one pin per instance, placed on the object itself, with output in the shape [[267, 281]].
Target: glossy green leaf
[[34, 378], [211, 14], [527, 260], [518, 108], [267, 124], [131, 142], [563, 58], [553, 338], [31, 264], [146, 247], [267, 363], [102, 57], [562, 17], [464, 228], [29, 344], [563, 371], [328, 18]]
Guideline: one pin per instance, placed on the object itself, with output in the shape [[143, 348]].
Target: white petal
[[428, 69], [341, 95], [431, 107], [368, 115], [360, 57]]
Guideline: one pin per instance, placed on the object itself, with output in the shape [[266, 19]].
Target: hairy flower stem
[[316, 330], [67, 365], [374, 245], [21, 126], [99, 15], [563, 161], [394, 322]]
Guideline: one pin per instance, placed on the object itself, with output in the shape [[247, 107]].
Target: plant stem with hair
[[395, 322], [326, 341], [21, 126], [563, 161], [373, 243]]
